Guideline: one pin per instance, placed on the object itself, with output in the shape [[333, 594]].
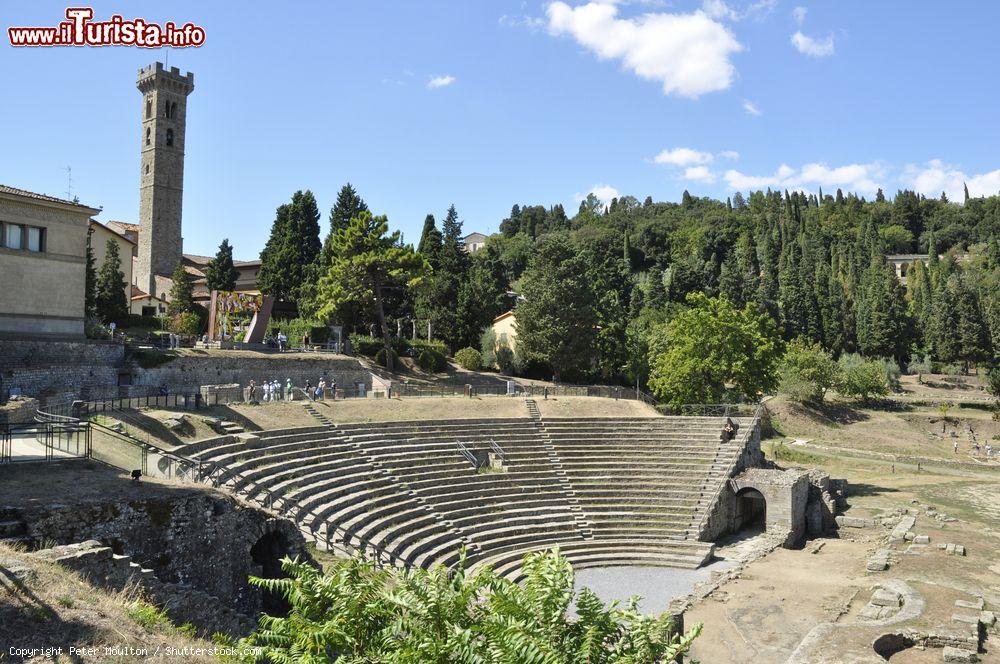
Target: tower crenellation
[[161, 171]]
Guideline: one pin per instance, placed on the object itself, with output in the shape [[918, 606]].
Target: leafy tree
[[862, 379], [710, 349], [882, 319], [807, 371], [287, 261], [555, 323], [220, 273], [358, 613], [110, 300], [181, 292], [366, 264]]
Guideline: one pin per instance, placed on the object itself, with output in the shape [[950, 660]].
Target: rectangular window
[[13, 236], [36, 238]]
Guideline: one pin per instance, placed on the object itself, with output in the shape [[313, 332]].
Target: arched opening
[[147, 136], [170, 137], [903, 269], [751, 510], [888, 645], [149, 109], [266, 556]]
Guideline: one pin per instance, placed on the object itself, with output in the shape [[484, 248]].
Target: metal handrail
[[499, 452], [467, 453]]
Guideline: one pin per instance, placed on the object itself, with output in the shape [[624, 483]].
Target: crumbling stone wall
[[100, 566], [197, 538]]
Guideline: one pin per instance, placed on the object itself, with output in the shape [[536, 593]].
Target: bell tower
[[161, 174]]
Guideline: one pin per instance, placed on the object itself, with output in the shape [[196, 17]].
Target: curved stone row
[[606, 491]]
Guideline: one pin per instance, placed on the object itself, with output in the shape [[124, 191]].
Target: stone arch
[[265, 560], [751, 510]]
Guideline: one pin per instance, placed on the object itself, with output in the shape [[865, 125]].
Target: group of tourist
[[976, 449], [273, 390]]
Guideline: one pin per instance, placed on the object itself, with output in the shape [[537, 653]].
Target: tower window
[[147, 136], [149, 109], [173, 109], [147, 169], [170, 137]]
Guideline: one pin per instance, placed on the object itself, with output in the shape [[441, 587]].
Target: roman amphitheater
[[706, 512]]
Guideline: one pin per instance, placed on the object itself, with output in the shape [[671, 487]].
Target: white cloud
[[687, 53], [683, 157], [529, 22], [730, 154], [719, 10], [603, 192], [752, 108], [860, 178], [799, 14], [936, 176], [699, 174], [817, 48], [440, 81]]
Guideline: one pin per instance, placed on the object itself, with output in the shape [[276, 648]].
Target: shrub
[[366, 345], [419, 344], [862, 379], [920, 366], [807, 372], [95, 329], [380, 357], [488, 347], [430, 360], [142, 322], [360, 613], [296, 328], [993, 381], [469, 359], [506, 361], [892, 374], [187, 322]]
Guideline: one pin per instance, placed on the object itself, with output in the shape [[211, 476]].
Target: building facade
[[43, 249], [474, 242], [161, 177]]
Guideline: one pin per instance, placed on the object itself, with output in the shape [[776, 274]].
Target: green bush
[[430, 360], [354, 611], [296, 328], [488, 347], [807, 372], [380, 357], [419, 345], [469, 359], [187, 322], [862, 379], [506, 361], [142, 322], [366, 345]]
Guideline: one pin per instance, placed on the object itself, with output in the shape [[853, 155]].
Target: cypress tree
[[90, 279], [220, 273], [288, 261], [181, 292], [111, 301], [430, 241]]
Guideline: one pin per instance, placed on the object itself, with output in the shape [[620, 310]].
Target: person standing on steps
[[288, 389]]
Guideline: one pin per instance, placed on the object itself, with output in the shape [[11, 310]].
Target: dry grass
[[593, 407], [57, 609]]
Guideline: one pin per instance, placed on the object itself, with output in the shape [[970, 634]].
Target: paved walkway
[[25, 448]]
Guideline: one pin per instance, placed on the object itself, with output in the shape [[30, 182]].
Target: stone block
[[886, 597], [909, 535], [969, 619], [959, 550], [953, 654], [988, 618], [976, 604], [879, 561], [854, 522], [921, 539]]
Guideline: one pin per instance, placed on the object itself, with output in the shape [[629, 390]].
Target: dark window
[[149, 311], [170, 137], [147, 136], [149, 109]]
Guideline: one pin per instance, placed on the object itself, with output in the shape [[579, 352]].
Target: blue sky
[[489, 103]]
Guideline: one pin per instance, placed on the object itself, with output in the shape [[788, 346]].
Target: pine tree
[[367, 263], [181, 292], [347, 206], [220, 273], [973, 337], [110, 300], [882, 320], [90, 279]]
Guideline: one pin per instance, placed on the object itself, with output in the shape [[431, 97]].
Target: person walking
[[309, 389], [956, 447], [288, 390], [250, 391]]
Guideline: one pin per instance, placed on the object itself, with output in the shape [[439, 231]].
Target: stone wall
[[722, 512], [101, 567], [786, 494], [189, 373], [197, 538]]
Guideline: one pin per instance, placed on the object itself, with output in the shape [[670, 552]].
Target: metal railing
[[498, 451], [718, 409], [467, 452]]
